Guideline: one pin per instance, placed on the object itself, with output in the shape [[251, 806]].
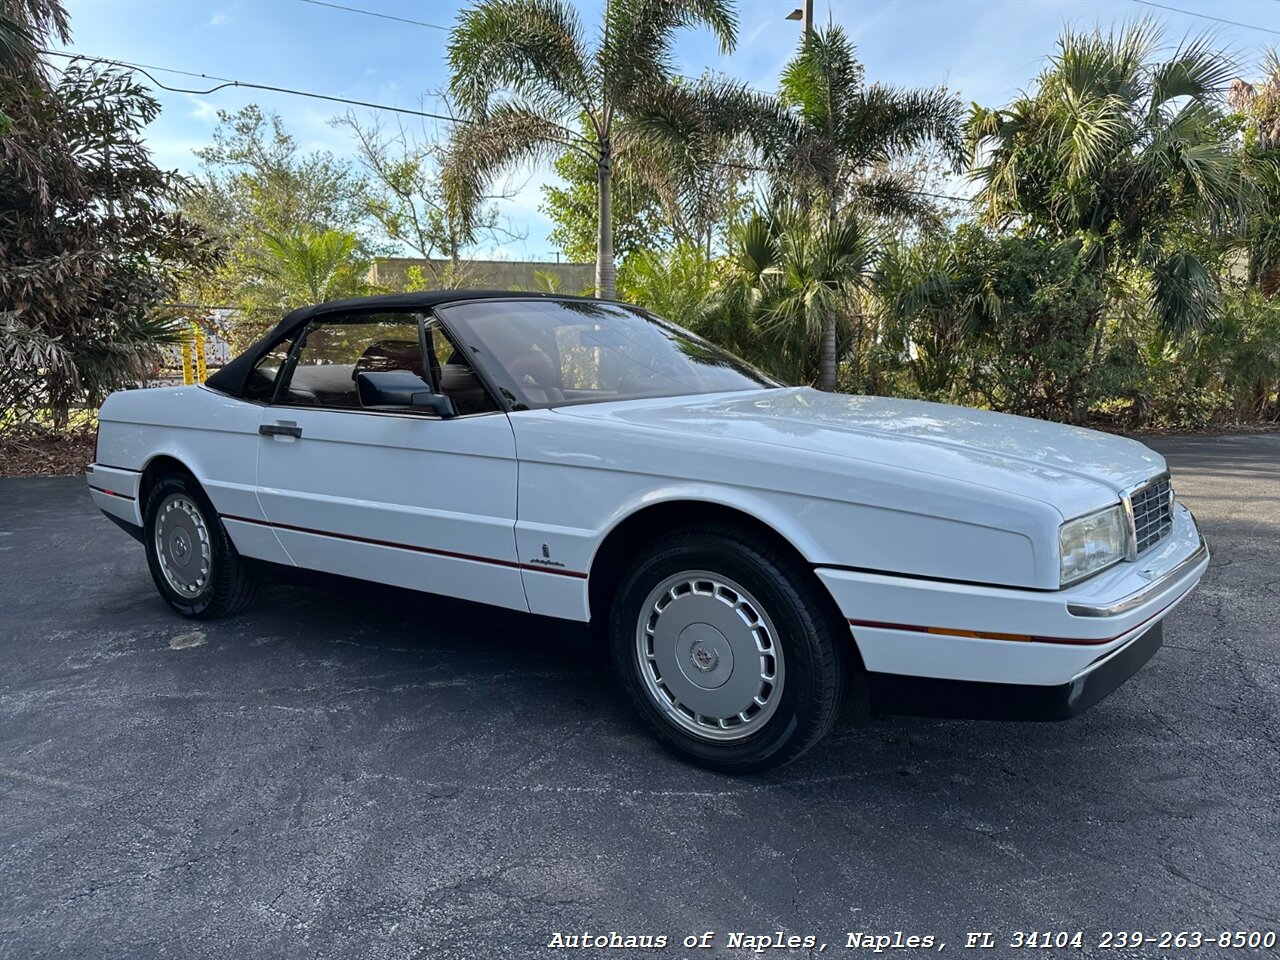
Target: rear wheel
[[728, 649], [193, 562]]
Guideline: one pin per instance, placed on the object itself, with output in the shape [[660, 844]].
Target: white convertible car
[[743, 546]]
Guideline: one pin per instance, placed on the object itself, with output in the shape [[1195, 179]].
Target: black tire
[[815, 645], [229, 586]]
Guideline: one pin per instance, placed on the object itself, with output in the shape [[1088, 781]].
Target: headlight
[[1092, 543]]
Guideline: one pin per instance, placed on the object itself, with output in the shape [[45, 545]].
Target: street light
[[805, 15]]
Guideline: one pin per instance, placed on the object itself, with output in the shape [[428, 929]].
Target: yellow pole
[[199, 347], [187, 377]]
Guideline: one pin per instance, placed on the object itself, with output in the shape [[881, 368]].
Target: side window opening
[[334, 352], [456, 374], [261, 385]]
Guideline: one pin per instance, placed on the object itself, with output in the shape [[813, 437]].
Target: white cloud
[[864, 26], [750, 39], [202, 109], [218, 19]]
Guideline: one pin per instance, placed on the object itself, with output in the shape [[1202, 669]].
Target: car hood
[[1072, 467]]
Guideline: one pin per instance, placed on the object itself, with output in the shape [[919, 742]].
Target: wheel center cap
[[704, 655], [179, 546]]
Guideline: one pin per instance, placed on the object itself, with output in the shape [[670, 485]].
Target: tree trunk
[[827, 355], [828, 363], [606, 271]]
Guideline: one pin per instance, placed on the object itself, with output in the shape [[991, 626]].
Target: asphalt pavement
[[353, 771]]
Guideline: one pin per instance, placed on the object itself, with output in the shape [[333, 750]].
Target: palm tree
[[1261, 107], [673, 282], [792, 278], [838, 141], [926, 313], [526, 75], [24, 24], [1264, 226], [311, 267], [844, 136], [1121, 152], [17, 45]]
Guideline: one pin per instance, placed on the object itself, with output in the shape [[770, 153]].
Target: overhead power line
[[223, 83], [1206, 16], [374, 13], [436, 26]]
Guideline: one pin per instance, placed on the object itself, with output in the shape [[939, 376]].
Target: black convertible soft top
[[234, 376]]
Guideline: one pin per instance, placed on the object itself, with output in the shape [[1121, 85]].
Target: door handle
[[279, 430]]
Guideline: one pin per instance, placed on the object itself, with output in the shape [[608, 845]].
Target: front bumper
[[912, 628], [975, 700]]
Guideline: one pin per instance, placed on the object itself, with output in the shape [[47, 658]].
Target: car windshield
[[548, 353]]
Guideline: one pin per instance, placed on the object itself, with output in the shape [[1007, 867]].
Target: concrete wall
[[392, 274]]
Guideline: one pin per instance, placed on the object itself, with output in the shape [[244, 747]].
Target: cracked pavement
[[353, 771]]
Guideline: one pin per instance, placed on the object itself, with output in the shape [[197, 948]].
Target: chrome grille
[[1152, 513]]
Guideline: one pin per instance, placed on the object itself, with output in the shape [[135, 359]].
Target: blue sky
[[986, 50]]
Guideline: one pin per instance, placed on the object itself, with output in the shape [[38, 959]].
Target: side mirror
[[398, 389], [437, 403]]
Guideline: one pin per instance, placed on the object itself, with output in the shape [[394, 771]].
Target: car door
[[397, 496]]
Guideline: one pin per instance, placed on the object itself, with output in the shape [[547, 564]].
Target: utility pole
[[805, 15]]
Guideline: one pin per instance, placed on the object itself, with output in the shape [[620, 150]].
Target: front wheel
[[728, 649], [193, 562]]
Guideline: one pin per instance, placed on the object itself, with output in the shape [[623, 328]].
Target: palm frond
[[1092, 65], [1213, 175], [820, 78], [1197, 71], [757, 252], [532, 49], [881, 123], [311, 266], [27, 353], [688, 140], [712, 108], [1187, 149], [1184, 293], [24, 27], [1264, 229], [893, 195], [635, 52], [1092, 133], [512, 134], [17, 42], [815, 269], [842, 128]]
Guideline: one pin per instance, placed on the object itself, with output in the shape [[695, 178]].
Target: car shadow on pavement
[[330, 603], [561, 669]]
